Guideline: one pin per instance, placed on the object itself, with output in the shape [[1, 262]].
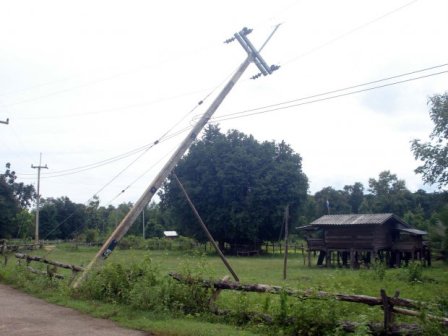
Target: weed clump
[[143, 287]]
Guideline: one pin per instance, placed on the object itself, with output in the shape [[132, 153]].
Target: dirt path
[[24, 315]]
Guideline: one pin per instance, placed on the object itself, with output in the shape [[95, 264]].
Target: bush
[[143, 287], [379, 268], [91, 235], [414, 272]]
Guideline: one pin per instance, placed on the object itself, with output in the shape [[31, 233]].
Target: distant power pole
[[5, 122], [39, 167]]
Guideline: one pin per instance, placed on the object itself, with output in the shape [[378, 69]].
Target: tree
[[390, 194], [239, 186], [60, 218], [434, 154], [331, 201], [14, 197], [355, 195]]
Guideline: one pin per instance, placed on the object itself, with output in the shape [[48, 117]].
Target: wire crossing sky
[[105, 89]]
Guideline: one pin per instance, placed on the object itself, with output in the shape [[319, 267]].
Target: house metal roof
[[356, 219]]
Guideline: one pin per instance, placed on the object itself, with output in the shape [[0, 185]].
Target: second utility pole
[[39, 167]]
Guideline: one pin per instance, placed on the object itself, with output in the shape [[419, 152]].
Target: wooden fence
[[391, 305], [52, 266], [6, 249]]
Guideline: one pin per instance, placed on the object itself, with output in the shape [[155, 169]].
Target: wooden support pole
[[352, 258], [207, 232], [387, 308], [285, 260]]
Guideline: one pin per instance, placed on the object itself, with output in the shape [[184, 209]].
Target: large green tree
[[14, 197], [389, 195], [331, 201], [355, 196], [239, 186], [61, 218], [434, 153]]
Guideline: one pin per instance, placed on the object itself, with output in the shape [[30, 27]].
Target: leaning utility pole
[[39, 167], [252, 56]]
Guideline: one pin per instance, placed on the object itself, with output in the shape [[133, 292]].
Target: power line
[[234, 115], [351, 31], [91, 82], [278, 106], [145, 148]]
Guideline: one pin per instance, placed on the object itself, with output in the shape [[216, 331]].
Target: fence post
[[4, 252], [387, 308]]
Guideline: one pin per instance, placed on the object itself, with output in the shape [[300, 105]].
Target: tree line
[[241, 187]]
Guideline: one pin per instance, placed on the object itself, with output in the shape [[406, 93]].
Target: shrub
[[379, 269], [142, 286], [414, 272]]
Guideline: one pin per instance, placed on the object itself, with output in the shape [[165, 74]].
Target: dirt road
[[24, 315]]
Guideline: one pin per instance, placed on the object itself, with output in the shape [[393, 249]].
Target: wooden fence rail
[[51, 271], [389, 304], [6, 249]]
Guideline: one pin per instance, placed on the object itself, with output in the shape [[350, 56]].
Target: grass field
[[422, 284]]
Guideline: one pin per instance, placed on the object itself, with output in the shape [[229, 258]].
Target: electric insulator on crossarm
[[229, 40], [246, 31], [274, 67]]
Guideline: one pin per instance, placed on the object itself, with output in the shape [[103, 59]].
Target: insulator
[[229, 40], [246, 31], [274, 67], [256, 76]]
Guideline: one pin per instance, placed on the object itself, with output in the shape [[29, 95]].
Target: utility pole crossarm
[[143, 201]]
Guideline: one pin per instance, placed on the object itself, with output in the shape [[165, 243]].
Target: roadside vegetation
[[133, 288]]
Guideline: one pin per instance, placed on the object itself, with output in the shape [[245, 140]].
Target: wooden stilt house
[[350, 240]]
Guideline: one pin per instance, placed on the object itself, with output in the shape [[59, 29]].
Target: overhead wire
[[278, 106], [172, 135], [349, 32], [165, 136], [88, 83]]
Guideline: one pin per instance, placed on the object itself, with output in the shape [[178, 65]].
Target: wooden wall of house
[[408, 243], [382, 237], [358, 237]]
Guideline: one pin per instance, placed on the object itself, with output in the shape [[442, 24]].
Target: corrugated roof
[[355, 219]]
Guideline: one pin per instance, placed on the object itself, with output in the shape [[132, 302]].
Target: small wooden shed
[[361, 238]]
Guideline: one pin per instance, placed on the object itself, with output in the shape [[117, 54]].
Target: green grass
[[432, 287]]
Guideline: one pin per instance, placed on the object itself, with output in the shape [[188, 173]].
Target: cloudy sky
[[92, 84]]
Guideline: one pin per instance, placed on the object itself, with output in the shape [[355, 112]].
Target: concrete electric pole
[[39, 167], [252, 56]]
